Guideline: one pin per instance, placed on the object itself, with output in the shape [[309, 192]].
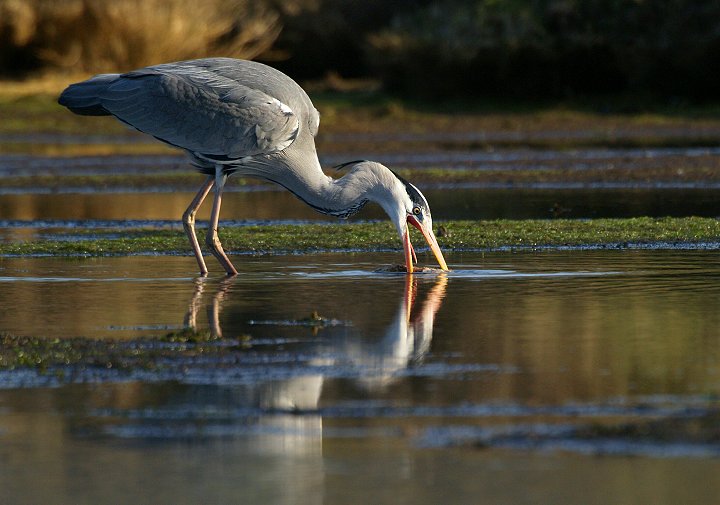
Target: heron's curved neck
[[341, 197]]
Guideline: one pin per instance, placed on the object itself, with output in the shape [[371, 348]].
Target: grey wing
[[202, 112]]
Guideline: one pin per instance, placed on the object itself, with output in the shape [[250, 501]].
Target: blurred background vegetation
[[658, 50]]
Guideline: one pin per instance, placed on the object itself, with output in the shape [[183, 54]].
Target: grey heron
[[238, 116]]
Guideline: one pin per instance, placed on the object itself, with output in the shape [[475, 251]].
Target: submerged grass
[[452, 235], [53, 355]]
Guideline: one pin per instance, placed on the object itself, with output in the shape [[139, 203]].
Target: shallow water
[[484, 385], [469, 385], [623, 198], [23, 210]]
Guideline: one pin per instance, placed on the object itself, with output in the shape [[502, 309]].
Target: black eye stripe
[[416, 197]]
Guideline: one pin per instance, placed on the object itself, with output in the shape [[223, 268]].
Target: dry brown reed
[[111, 35]]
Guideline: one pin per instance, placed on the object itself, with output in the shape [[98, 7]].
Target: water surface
[[26, 209], [620, 196], [471, 384], [500, 382]]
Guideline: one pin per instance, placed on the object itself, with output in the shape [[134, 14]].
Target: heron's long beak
[[431, 240]]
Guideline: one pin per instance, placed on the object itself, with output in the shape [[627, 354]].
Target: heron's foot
[[403, 269], [225, 262]]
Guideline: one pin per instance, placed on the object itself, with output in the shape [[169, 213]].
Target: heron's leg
[[190, 320], [188, 220], [211, 239], [213, 310]]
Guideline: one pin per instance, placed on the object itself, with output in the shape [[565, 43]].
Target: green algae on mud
[[373, 236], [53, 355]]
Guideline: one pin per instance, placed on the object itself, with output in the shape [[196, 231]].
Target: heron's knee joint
[[188, 218], [212, 240]]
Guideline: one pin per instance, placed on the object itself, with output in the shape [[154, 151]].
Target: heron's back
[[219, 107]]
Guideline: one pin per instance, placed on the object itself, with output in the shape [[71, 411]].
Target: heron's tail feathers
[[84, 97]]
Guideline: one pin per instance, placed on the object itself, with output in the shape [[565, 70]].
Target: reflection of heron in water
[[213, 309], [374, 362], [405, 342], [272, 407]]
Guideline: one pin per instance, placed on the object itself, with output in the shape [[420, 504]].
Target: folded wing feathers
[[273, 139], [200, 111]]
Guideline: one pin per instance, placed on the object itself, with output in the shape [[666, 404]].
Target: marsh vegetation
[[569, 151]]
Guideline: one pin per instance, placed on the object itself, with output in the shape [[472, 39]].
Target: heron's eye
[[417, 211]]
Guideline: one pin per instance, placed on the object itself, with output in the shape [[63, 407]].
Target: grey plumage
[[84, 97], [241, 116], [212, 107]]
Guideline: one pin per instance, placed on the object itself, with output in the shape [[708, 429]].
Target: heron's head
[[405, 205]]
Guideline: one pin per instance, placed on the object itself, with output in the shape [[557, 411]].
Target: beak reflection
[[372, 360]]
